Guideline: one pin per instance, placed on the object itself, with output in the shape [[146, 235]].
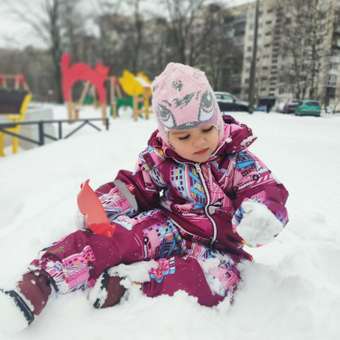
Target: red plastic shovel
[[93, 211]]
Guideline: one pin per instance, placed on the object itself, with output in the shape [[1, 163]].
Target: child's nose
[[200, 141]]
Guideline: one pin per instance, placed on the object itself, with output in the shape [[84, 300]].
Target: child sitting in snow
[[195, 199]]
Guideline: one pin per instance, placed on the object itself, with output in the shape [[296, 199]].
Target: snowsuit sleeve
[[253, 181], [130, 192]]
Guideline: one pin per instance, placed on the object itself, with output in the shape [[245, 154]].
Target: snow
[[291, 291], [13, 318]]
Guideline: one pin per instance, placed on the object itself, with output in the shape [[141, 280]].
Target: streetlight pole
[[252, 77]]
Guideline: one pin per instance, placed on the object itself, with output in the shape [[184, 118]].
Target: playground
[[23, 126]]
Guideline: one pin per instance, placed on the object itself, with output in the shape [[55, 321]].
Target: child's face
[[195, 144]]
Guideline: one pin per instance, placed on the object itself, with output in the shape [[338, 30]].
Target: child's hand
[[258, 225]]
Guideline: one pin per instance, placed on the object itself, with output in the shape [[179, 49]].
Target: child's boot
[[20, 306]]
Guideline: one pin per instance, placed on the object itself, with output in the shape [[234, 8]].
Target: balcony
[[333, 71], [336, 44], [335, 59], [330, 84]]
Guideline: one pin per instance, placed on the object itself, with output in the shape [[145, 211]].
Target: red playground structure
[[93, 77]]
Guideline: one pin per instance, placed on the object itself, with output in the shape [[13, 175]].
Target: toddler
[[196, 197]]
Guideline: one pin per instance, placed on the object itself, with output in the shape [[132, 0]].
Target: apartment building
[[272, 61], [330, 75], [235, 22]]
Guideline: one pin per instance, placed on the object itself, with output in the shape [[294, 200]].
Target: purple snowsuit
[[181, 213]]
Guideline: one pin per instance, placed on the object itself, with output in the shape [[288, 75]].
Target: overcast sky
[[14, 33]]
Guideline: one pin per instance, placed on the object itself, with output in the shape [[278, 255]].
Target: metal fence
[[42, 135]]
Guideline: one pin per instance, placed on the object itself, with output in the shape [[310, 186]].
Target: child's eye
[[184, 137], [208, 129]]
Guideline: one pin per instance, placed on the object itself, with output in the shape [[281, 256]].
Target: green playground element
[[125, 101], [89, 100]]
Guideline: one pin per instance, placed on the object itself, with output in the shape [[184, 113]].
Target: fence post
[[41, 133], [60, 130]]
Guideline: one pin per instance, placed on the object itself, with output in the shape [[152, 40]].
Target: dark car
[[265, 104], [227, 102], [290, 106]]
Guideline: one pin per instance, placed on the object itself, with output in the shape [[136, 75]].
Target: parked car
[[290, 106], [228, 102], [308, 107], [265, 104]]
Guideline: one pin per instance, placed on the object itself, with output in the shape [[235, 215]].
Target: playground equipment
[[139, 89], [115, 95], [13, 104], [14, 81], [94, 79]]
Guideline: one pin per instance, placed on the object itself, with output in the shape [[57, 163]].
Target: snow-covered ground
[[292, 290]]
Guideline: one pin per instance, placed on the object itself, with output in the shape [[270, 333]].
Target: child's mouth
[[201, 152]]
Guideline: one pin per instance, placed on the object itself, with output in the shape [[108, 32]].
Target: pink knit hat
[[182, 99]]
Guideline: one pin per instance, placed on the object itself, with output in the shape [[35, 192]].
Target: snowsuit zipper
[[206, 208]]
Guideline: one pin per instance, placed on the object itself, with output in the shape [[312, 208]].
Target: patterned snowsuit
[[183, 214]]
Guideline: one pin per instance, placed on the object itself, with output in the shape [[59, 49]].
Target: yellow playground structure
[[138, 87]]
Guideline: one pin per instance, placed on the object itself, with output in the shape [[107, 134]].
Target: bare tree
[[137, 33], [184, 20], [73, 31], [304, 34], [121, 36], [188, 31], [131, 36], [156, 51], [50, 21], [35, 64], [105, 14], [216, 50]]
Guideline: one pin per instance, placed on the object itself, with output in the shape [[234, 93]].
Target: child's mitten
[[107, 291], [256, 224]]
